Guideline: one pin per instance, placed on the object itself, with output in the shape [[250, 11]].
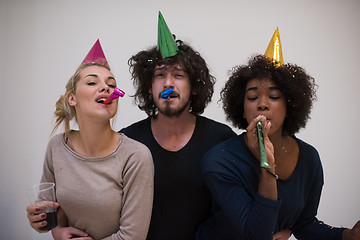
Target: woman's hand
[[36, 215], [65, 233], [352, 234], [252, 141], [282, 235]]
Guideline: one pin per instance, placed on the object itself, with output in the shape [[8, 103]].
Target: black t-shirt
[[181, 199]]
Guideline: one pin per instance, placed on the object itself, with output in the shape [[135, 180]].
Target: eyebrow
[[95, 75], [251, 89], [176, 68]]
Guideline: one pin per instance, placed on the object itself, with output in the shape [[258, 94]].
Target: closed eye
[[159, 75], [252, 98], [275, 98]]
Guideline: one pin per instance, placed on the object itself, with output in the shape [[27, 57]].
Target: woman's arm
[[231, 173], [63, 232], [138, 188], [307, 226], [267, 182]]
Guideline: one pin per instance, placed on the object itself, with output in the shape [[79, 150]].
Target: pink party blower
[[116, 93]]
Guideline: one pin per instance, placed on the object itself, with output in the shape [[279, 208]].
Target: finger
[[49, 204], [82, 238], [37, 225], [266, 129], [36, 217], [252, 124], [77, 232], [33, 208]]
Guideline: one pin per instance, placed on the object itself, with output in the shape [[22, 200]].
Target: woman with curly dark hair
[[255, 201]]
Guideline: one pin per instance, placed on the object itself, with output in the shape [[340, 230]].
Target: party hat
[[96, 54], [274, 51], [166, 43]]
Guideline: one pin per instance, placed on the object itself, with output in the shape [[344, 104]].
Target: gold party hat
[[274, 51]]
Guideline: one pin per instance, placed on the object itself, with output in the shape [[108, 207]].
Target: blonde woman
[[104, 180]]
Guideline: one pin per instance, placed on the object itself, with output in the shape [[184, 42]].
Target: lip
[[104, 96], [267, 118], [171, 99], [173, 95]]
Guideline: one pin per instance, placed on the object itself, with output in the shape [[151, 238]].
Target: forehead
[[263, 82], [95, 70]]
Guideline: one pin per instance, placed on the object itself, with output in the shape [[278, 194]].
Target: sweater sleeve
[[138, 177], [308, 226], [251, 215], [48, 174]]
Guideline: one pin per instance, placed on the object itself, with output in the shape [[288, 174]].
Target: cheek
[[247, 115], [248, 109]]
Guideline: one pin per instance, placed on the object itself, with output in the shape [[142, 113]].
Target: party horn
[[116, 93], [166, 93], [263, 160]]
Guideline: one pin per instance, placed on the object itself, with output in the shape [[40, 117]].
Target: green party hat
[[273, 50], [166, 44]]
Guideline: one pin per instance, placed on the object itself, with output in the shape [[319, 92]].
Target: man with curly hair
[[177, 136]]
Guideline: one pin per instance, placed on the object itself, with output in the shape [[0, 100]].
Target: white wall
[[42, 43]]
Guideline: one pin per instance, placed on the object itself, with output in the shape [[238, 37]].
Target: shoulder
[[135, 146], [227, 151], [135, 154], [137, 125], [307, 150], [136, 129], [310, 160], [210, 122], [213, 127], [135, 150], [231, 160], [56, 140]]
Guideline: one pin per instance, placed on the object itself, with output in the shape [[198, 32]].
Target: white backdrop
[[42, 43]]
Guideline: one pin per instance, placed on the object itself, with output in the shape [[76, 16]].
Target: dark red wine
[[51, 219]]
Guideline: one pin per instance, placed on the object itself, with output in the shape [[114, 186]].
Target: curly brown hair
[[298, 88], [142, 67]]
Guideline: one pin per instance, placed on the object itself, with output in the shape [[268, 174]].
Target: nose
[[263, 104], [104, 88], [169, 82]]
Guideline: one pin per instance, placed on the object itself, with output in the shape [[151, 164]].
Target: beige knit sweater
[[108, 197]]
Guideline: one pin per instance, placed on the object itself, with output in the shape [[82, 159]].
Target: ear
[[71, 99], [150, 91]]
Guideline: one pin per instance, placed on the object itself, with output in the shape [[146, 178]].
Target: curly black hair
[[142, 67], [298, 88]]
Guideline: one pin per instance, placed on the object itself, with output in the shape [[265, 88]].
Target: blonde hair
[[63, 111]]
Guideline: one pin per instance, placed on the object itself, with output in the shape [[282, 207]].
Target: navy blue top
[[232, 173], [181, 199]]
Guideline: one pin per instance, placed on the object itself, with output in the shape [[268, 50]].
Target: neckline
[[91, 159], [184, 147], [298, 164]]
